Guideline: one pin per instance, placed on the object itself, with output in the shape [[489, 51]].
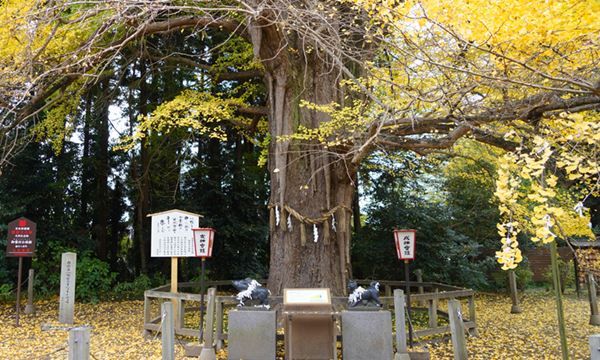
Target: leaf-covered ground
[[116, 332]]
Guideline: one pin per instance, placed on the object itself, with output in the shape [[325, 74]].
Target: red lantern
[[405, 244], [203, 242]]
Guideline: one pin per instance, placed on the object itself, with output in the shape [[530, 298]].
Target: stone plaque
[[68, 273], [367, 335], [252, 335]]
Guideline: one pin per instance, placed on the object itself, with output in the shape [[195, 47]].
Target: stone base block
[[367, 335], [418, 355], [29, 310], [252, 335], [515, 309]]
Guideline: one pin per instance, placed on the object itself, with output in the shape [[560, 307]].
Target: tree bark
[[310, 184]]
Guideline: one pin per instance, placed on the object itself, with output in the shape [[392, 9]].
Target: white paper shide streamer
[[316, 232], [333, 222], [549, 225], [277, 216], [289, 222]]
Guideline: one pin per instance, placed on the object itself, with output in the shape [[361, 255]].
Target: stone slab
[[66, 309], [367, 335], [369, 307], [419, 355], [252, 335]]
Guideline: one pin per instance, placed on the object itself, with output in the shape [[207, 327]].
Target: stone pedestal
[[367, 335], [252, 335]]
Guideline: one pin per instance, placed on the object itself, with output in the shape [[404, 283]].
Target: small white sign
[[405, 244], [306, 296], [172, 234]]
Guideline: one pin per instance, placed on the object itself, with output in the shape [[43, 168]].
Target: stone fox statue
[[358, 294], [251, 290]]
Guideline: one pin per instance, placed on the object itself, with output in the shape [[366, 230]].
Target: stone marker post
[[168, 331], [29, 308], [459, 343], [594, 317], [68, 272], [402, 351], [419, 274], [515, 309], [595, 347], [79, 343]]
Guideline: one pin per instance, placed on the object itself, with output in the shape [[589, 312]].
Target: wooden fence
[[429, 293]]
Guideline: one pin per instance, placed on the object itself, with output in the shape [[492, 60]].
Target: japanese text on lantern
[[405, 244]]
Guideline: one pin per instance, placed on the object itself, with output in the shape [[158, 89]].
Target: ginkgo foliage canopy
[[342, 79]]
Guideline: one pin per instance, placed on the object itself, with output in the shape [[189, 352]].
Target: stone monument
[[252, 335], [68, 272]]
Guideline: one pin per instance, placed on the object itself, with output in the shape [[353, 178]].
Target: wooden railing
[[428, 293]]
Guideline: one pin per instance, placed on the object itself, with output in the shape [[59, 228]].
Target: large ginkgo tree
[[342, 79]]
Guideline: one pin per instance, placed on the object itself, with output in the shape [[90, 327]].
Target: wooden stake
[[559, 305], [19, 289], [174, 281]]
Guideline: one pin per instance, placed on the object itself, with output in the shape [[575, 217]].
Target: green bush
[[135, 289], [6, 293], [94, 278], [566, 275], [523, 275]]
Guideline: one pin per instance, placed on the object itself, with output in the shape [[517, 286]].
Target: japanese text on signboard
[[21, 238], [172, 234]]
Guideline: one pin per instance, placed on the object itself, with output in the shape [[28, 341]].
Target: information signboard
[[306, 296], [172, 234], [405, 244], [21, 238]]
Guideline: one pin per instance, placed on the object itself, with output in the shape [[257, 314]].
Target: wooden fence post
[[515, 309], [402, 352], [147, 315], [594, 317], [433, 307], [459, 343], [79, 343], [208, 351], [388, 293], [419, 274], [219, 323], [168, 331]]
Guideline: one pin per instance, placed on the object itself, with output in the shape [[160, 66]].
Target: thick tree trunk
[[311, 185]]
